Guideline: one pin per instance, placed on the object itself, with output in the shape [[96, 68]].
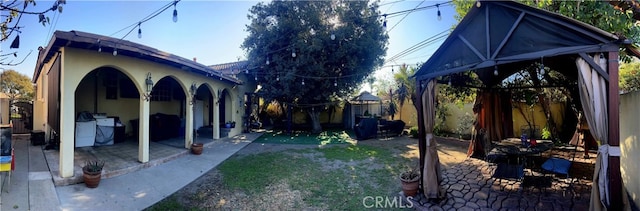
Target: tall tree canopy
[[311, 53], [17, 86]]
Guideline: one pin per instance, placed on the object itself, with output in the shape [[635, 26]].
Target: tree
[[407, 86], [12, 12], [629, 77], [17, 86], [311, 54]]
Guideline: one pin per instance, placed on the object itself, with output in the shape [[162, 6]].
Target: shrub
[[413, 132]]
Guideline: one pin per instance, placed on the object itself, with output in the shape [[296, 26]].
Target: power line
[[419, 45], [394, 26]]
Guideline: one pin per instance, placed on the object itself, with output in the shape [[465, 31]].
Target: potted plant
[[410, 180], [92, 172], [196, 148], [230, 124]]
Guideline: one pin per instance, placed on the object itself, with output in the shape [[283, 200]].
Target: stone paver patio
[[469, 186]]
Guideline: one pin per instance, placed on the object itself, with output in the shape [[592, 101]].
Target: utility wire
[[419, 45], [394, 26]]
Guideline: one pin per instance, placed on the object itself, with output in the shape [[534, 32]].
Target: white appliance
[[85, 133], [198, 114], [104, 131]]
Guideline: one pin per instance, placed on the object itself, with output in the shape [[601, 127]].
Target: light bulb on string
[[303, 81], [246, 71], [333, 36], [542, 66], [335, 82], [439, 14], [139, 31], [175, 12], [293, 53], [449, 81], [277, 77], [115, 52], [384, 22], [478, 4], [255, 77], [99, 46], [267, 62], [495, 70]]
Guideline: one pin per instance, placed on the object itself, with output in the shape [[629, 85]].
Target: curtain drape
[[432, 172], [593, 96]]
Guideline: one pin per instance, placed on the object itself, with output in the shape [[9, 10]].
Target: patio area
[[470, 186], [120, 158]]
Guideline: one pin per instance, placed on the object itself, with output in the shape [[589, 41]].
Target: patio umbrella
[[432, 174], [366, 98]]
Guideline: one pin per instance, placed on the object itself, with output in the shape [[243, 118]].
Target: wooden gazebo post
[[615, 178], [422, 147]]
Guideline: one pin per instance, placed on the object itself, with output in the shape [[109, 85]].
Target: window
[[161, 92]]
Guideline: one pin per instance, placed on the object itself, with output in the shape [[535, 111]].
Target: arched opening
[[167, 110], [225, 107], [106, 94], [203, 112]]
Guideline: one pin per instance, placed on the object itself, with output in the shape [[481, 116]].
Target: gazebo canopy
[[366, 97], [499, 38], [510, 35]]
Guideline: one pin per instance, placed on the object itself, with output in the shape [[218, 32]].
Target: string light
[[495, 70], [267, 62], [541, 65], [99, 46], [246, 71], [478, 4], [303, 81], [293, 53], [277, 77], [449, 81], [384, 23], [439, 14], [255, 77], [333, 36], [139, 31], [115, 52], [335, 82], [175, 12]]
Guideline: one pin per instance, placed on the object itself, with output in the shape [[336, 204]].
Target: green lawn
[[304, 137], [334, 177]]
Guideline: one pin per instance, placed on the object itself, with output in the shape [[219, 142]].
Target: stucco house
[[80, 72], [4, 108]]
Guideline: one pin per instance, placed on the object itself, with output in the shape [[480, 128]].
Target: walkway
[[32, 186]]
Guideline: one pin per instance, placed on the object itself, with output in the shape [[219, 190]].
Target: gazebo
[[496, 40]]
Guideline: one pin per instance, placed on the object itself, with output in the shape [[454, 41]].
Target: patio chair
[[559, 166], [7, 166]]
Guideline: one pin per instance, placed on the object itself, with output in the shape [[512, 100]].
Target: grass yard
[[304, 137], [335, 177]]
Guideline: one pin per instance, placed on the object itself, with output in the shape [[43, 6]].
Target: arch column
[[67, 125], [216, 118], [189, 139], [143, 132]]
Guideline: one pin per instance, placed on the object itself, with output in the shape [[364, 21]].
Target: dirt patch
[[209, 192]]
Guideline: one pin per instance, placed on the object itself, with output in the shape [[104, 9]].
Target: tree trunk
[[315, 121]]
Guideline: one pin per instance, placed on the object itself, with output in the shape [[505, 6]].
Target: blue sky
[[211, 31]]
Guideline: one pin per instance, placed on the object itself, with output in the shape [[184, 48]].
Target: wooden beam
[[615, 178], [597, 67]]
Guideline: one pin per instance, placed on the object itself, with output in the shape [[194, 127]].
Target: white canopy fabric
[[593, 96]]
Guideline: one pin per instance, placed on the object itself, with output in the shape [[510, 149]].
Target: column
[[143, 132], [216, 118], [67, 126], [188, 135]]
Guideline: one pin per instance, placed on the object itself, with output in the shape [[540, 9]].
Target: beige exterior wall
[[557, 112], [629, 144], [4, 109], [76, 97], [408, 114], [537, 116]]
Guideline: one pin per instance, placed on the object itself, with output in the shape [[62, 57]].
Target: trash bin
[[37, 137]]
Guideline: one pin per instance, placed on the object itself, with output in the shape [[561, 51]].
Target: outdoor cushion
[[557, 165], [5, 159]]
